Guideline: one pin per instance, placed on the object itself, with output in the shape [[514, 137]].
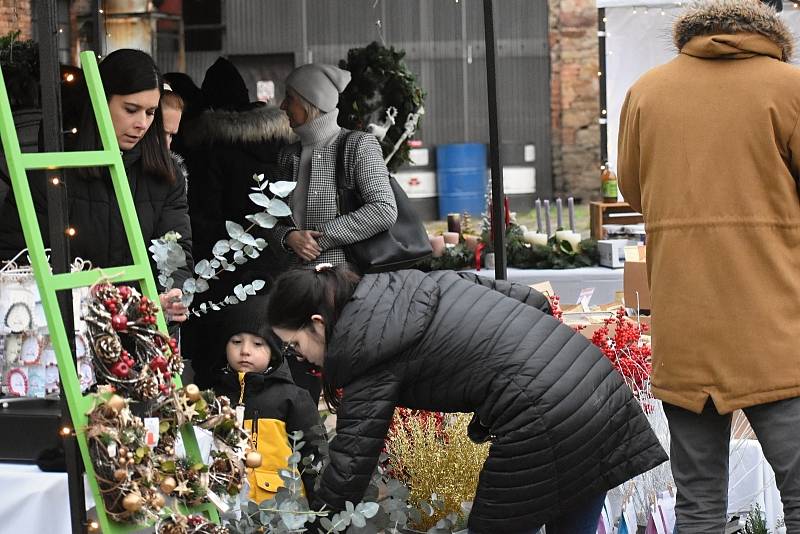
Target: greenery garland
[[380, 79], [20, 62]]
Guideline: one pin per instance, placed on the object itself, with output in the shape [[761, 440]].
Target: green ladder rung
[[128, 273], [49, 284], [62, 160]]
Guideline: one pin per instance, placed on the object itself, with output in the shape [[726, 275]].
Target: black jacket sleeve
[[362, 423], [304, 416], [526, 295]]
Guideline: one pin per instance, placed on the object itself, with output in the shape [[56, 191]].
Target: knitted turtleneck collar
[[318, 130]]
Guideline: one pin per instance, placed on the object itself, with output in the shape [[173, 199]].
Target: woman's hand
[[304, 244], [173, 308]]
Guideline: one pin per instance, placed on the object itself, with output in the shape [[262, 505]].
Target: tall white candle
[[547, 228], [558, 214], [538, 215], [571, 209]]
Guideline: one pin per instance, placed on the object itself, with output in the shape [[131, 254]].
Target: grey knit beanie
[[319, 84]]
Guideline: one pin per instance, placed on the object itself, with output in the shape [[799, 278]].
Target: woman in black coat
[[563, 425], [133, 87]]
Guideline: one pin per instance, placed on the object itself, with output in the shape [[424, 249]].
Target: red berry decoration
[[120, 369], [119, 322], [124, 292], [159, 364]]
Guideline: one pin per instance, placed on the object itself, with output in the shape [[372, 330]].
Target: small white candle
[[451, 238], [570, 237], [535, 238], [547, 228], [437, 244], [471, 242]]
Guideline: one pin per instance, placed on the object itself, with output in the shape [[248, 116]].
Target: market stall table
[[568, 283], [32, 501]]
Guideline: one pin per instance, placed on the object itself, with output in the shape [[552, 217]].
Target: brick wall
[[15, 15], [575, 98]]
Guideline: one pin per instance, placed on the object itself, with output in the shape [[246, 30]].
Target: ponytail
[[300, 293]]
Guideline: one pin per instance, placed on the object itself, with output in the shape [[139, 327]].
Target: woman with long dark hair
[[563, 424], [133, 87]]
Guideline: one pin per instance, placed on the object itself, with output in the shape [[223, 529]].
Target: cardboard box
[[612, 252], [634, 279]]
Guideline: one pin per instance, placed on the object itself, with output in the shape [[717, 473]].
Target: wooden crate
[[601, 213]]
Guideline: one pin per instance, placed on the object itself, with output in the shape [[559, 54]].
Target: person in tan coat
[[709, 152]]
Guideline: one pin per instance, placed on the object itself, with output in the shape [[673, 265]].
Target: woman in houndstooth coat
[[315, 233]]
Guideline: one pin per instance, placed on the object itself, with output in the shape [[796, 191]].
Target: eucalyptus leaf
[[250, 291], [231, 300], [240, 293], [265, 220], [203, 307], [251, 252], [201, 266], [234, 229], [349, 506], [247, 239], [237, 245], [261, 244], [282, 189], [239, 257], [369, 509], [258, 285], [358, 520], [278, 208], [260, 199], [215, 263], [189, 285], [220, 247], [201, 285]]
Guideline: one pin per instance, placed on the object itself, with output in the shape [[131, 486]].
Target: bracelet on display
[[19, 318], [17, 382]]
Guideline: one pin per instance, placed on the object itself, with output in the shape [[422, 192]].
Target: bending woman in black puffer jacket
[[564, 426]]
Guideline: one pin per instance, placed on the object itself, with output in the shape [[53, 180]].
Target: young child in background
[[258, 378]]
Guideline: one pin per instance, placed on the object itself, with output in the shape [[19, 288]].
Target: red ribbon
[[478, 251]]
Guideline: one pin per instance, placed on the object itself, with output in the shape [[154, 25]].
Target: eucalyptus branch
[[170, 256]]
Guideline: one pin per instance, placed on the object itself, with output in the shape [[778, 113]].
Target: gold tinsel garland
[[432, 454]]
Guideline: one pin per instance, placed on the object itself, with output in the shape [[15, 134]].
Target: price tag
[[152, 435], [584, 298]]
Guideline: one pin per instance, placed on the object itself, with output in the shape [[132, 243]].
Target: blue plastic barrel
[[461, 177]]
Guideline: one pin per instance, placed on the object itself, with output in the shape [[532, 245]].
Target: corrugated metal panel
[[444, 106], [341, 22], [259, 27], [436, 35], [402, 20]]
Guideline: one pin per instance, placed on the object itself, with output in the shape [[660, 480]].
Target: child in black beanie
[[258, 378]]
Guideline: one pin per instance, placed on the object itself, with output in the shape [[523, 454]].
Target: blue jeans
[[581, 519]]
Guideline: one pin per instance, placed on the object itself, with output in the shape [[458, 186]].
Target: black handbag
[[401, 246]]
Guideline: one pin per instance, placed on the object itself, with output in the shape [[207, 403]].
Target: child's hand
[[173, 308]]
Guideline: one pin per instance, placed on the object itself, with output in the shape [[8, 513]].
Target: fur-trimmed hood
[[259, 124], [732, 17]]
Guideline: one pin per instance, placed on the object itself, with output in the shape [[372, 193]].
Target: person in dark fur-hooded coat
[[223, 147]]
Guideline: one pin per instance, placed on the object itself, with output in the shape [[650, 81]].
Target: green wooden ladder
[[19, 164]]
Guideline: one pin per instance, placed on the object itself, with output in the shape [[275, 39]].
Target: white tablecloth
[[752, 481], [568, 283], [33, 502]]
